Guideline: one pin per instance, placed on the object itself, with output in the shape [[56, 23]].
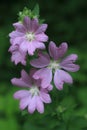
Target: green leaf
[[42, 21], [82, 96], [82, 112], [24, 112], [9, 124], [66, 104], [36, 10], [66, 107], [78, 122], [61, 127]]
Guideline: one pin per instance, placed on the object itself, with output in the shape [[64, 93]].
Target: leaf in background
[[24, 112], [82, 95], [36, 10], [66, 108], [82, 112], [77, 123], [9, 124]]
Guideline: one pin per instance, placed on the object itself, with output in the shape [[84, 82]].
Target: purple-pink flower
[[29, 35], [56, 63], [34, 96], [18, 56]]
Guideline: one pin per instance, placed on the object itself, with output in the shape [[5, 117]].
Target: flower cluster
[[29, 36]]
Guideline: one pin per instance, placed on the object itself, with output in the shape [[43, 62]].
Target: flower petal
[[57, 52], [27, 23], [34, 24], [24, 102], [21, 94], [61, 77], [15, 34], [26, 78], [31, 48], [40, 62], [42, 28], [18, 40], [38, 45], [32, 105], [28, 46], [45, 97], [24, 45], [19, 27], [70, 59], [70, 67], [19, 82], [68, 63], [39, 105], [32, 71], [41, 37], [45, 75], [17, 55], [50, 87]]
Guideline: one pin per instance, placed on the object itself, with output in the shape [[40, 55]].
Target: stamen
[[54, 65], [34, 90], [30, 36]]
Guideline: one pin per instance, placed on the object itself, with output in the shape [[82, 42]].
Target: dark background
[[67, 21]]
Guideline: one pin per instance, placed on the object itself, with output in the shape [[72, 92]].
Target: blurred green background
[[67, 21]]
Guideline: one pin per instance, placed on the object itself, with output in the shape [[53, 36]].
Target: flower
[[34, 96], [17, 55], [29, 35], [54, 63]]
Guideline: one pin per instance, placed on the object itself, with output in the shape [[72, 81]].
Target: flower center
[[34, 91], [30, 36], [54, 65]]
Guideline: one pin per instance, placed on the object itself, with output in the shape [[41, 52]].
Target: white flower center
[[54, 65], [34, 90], [30, 36]]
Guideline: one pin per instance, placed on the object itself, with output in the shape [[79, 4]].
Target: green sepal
[[28, 12]]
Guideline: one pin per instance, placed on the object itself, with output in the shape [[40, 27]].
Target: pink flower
[[54, 63], [18, 56], [34, 96], [29, 35]]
